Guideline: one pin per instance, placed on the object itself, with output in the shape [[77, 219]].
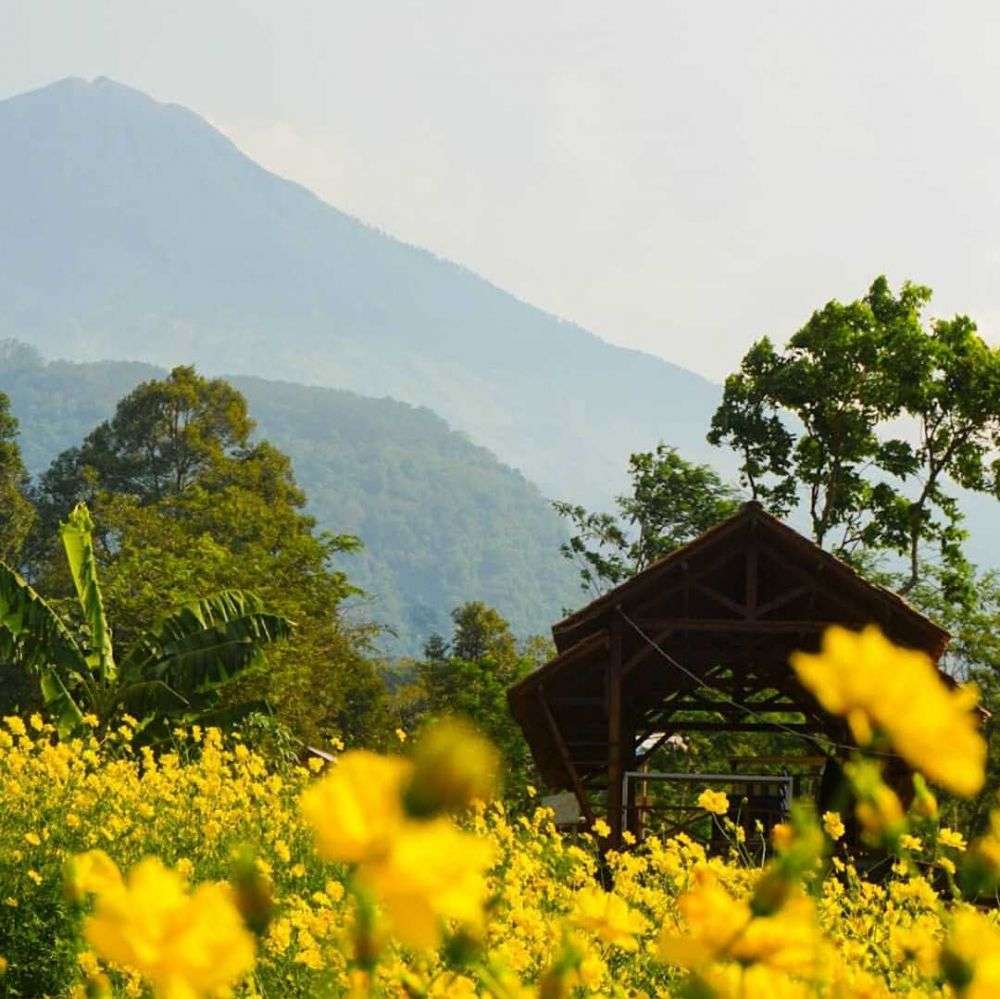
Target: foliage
[[16, 511], [442, 520], [188, 504], [469, 677], [349, 888], [177, 668], [672, 501], [822, 420], [165, 434]]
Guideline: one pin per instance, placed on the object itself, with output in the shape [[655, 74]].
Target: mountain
[[133, 229], [442, 520]]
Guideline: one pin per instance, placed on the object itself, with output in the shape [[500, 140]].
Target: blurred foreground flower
[[608, 917], [384, 815], [185, 945], [722, 928], [453, 767], [876, 685], [356, 810]]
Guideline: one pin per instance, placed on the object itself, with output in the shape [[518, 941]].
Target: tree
[[232, 519], [176, 668], [470, 677], [164, 435], [16, 511], [820, 423], [672, 501], [481, 631]]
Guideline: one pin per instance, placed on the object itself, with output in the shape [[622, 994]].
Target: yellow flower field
[[206, 870]]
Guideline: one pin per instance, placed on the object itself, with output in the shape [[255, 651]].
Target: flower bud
[[453, 766]]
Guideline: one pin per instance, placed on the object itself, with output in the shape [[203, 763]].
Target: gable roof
[[560, 706], [879, 598]]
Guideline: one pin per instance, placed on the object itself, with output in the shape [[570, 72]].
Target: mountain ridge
[[143, 232], [442, 520]]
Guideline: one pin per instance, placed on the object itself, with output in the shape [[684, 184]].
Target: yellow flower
[[949, 837], [872, 683], [15, 725], [723, 928], [93, 872], [401, 735], [782, 836], [601, 829], [451, 985], [432, 871], [356, 810], [912, 843], [453, 765], [970, 957], [833, 824], [184, 945], [715, 802], [607, 916], [32, 839], [36, 722]]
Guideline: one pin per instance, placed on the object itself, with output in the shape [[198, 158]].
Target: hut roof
[[742, 596]]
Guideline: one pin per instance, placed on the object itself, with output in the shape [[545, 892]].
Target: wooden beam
[[578, 788], [722, 625], [680, 725], [646, 650], [751, 573], [745, 706], [721, 598], [616, 735]]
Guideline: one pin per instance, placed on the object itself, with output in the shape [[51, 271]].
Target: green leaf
[[79, 545], [31, 633], [60, 704], [206, 642]]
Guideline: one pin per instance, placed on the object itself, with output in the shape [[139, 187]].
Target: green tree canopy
[[469, 677], [16, 511], [866, 417], [672, 501], [188, 503]]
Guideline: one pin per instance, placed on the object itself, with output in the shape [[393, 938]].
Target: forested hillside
[[442, 520], [134, 230]]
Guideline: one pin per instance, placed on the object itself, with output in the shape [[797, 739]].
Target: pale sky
[[678, 177]]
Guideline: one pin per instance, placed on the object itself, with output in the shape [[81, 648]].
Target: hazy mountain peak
[[133, 229]]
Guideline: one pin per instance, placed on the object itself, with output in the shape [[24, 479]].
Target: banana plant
[[175, 670]]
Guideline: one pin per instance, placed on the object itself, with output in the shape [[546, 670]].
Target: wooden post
[[557, 737], [616, 736]]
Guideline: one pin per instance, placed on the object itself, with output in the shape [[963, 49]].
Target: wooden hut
[[697, 642]]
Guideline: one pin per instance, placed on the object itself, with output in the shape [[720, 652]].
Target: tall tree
[[820, 422], [672, 501], [188, 503], [164, 435], [16, 511], [469, 677]]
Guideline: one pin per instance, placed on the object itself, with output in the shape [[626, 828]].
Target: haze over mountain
[[442, 520], [133, 229]]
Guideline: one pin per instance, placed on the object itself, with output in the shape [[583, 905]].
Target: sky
[[680, 178]]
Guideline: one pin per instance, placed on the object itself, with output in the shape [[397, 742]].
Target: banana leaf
[[76, 535], [206, 642], [33, 636]]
